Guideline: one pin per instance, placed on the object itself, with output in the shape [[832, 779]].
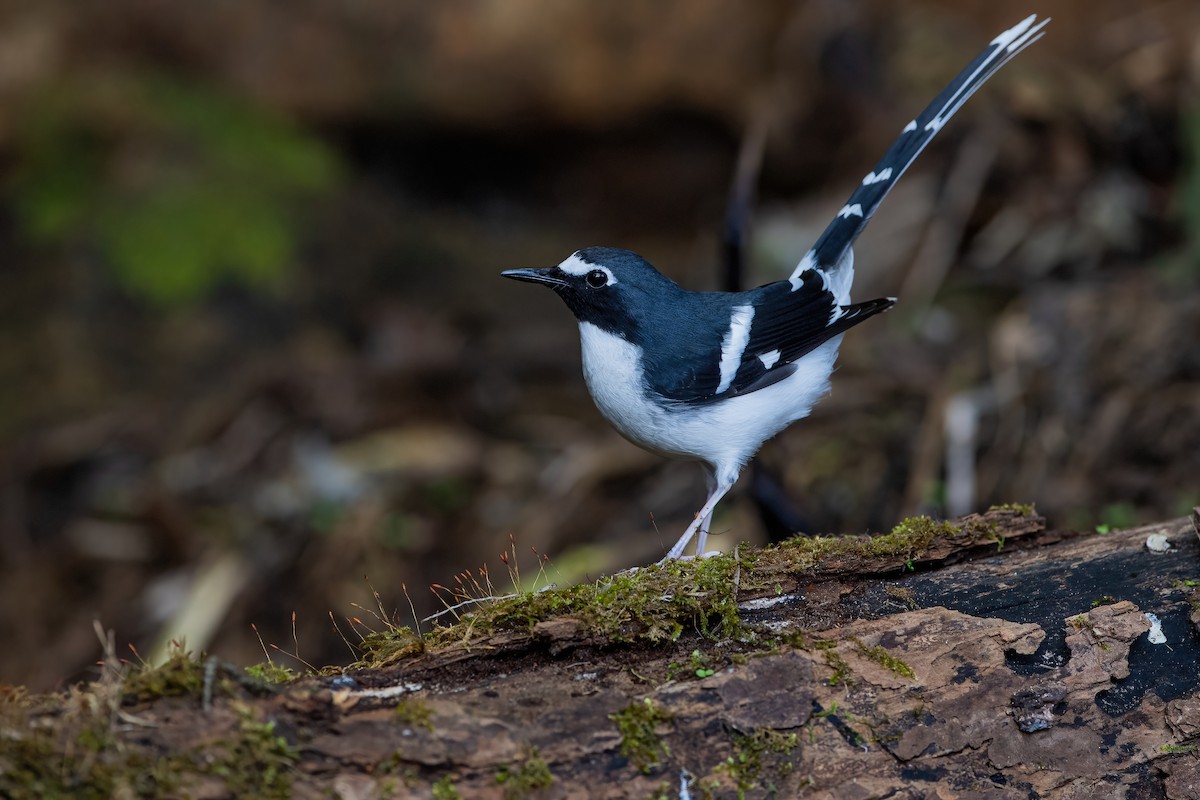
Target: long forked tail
[[835, 242]]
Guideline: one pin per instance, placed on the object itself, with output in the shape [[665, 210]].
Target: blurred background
[[256, 359]]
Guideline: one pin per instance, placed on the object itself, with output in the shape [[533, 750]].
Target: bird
[[711, 376]]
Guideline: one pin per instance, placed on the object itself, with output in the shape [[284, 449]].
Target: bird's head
[[606, 286]]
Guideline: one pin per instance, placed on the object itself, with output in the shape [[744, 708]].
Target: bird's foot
[[709, 554]]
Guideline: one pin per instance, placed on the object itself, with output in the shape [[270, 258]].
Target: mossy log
[[987, 657]]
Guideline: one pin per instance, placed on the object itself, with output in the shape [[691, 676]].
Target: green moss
[[414, 713], [258, 762], [652, 604], [908, 540], [181, 675], [34, 765], [520, 780], [638, 725], [842, 676], [31, 766], [1024, 509], [273, 674], [444, 789], [1175, 749], [388, 646], [745, 767], [81, 757], [1080, 622], [883, 658]]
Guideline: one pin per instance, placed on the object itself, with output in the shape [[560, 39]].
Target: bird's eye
[[597, 278]]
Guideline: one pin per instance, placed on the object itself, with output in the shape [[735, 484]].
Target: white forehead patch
[[577, 266]]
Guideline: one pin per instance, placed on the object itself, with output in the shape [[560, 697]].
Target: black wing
[[789, 324], [790, 320], [850, 221]]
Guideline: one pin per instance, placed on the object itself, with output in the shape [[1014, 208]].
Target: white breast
[[612, 369], [725, 433]]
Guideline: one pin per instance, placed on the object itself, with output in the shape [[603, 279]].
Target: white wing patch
[[877, 177], [910, 127], [769, 359], [851, 211], [734, 344]]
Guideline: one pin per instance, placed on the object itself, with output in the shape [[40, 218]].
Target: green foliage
[[177, 186], [268, 672], [180, 675], [750, 754], [31, 766], [258, 763], [414, 713], [883, 658], [1116, 516], [652, 604], [522, 779], [842, 675], [444, 789], [908, 540], [1023, 509], [390, 645], [638, 725], [698, 664], [78, 756]]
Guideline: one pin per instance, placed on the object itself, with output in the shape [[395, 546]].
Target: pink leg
[[710, 483], [702, 518]]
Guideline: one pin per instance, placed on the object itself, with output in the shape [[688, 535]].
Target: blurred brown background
[[254, 346]]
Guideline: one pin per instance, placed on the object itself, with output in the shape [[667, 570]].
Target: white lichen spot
[[1158, 543], [1156, 635]]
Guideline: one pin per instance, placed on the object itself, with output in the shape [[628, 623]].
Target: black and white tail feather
[[832, 254], [831, 259]]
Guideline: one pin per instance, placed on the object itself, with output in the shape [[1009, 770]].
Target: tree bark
[[1009, 662]]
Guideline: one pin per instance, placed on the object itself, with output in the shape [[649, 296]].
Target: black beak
[[550, 277]]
